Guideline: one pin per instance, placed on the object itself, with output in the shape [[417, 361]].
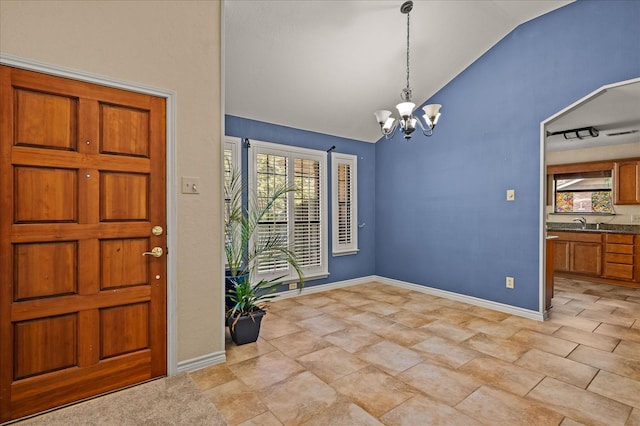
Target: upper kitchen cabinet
[[627, 182]]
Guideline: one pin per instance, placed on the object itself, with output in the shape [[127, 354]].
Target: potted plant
[[245, 301], [247, 308]]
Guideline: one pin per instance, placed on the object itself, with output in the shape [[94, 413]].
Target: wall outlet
[[510, 282], [293, 286], [635, 218]]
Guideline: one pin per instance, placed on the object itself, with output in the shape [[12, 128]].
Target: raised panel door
[[586, 258], [82, 183], [561, 256], [627, 182]]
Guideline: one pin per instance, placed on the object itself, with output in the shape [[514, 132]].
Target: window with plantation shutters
[[231, 165], [297, 217], [344, 202], [231, 158], [271, 172], [307, 229]]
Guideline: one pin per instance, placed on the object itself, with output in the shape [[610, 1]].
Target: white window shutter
[[344, 179], [300, 217]]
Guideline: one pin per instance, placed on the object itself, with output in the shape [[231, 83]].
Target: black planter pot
[[246, 329]]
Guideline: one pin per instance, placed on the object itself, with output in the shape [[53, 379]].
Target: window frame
[[583, 175], [337, 247], [292, 153], [233, 144]]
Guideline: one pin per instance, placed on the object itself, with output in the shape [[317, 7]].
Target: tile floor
[[376, 354]]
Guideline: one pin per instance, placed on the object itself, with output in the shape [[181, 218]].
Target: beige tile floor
[[376, 354]]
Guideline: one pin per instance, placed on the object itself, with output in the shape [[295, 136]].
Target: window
[[344, 200], [586, 192], [231, 158], [299, 216], [231, 166]]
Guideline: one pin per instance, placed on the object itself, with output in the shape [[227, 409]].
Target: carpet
[[174, 400]]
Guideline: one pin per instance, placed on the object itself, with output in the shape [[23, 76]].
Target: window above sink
[[583, 192]]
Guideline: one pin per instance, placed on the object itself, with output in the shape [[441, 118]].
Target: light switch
[[511, 194], [190, 185]]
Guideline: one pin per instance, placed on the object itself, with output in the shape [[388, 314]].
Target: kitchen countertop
[[591, 227]]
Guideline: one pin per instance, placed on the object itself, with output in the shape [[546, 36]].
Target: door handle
[[155, 252]]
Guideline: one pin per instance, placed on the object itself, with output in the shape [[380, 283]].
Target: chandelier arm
[[428, 131], [391, 133]]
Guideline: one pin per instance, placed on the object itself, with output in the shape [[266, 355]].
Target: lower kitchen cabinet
[[609, 257], [578, 252]]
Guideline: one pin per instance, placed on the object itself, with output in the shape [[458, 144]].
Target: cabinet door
[[586, 258], [561, 255], [627, 182]]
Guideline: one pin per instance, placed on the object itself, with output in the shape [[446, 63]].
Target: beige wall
[[172, 45], [593, 154]]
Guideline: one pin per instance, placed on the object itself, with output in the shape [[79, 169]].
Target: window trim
[[292, 152], [234, 144], [338, 249], [582, 175]]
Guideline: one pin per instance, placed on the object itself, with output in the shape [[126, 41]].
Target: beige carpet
[[175, 400]]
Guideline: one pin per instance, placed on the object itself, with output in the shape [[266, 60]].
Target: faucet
[[582, 221]]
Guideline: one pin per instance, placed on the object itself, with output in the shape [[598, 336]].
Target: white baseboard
[[513, 310], [203, 361], [496, 306], [324, 287]]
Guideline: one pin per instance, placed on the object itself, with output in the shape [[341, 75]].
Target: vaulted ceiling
[[327, 65]]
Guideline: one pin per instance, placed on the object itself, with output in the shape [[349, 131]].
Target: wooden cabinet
[[586, 258], [578, 252], [609, 257], [561, 255], [619, 256], [627, 182]]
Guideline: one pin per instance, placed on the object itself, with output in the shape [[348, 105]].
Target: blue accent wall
[[441, 211], [340, 267], [435, 209]]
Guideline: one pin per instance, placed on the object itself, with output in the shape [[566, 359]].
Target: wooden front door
[[82, 185]]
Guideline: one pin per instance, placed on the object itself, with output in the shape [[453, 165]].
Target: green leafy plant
[[244, 247], [248, 299]]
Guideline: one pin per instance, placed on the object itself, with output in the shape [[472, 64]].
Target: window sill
[[582, 214], [344, 253]]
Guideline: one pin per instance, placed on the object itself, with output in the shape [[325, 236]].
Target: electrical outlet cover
[[510, 281]]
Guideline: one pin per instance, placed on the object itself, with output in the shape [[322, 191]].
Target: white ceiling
[[326, 66], [613, 111]]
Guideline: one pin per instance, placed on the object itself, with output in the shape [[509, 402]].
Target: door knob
[[155, 252]]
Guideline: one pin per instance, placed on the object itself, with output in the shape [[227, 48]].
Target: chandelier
[[407, 121]]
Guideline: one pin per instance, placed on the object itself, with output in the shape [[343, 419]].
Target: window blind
[[297, 218], [344, 204]]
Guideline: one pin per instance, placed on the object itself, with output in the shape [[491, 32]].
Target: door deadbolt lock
[[157, 230], [155, 252]]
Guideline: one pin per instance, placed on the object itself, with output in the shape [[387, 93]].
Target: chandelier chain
[[408, 90], [408, 50]]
